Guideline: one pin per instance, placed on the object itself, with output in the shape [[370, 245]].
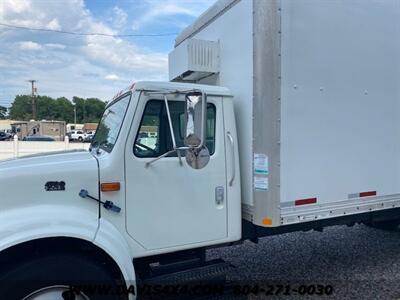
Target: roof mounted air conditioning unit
[[193, 59]]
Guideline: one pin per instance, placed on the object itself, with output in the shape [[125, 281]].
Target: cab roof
[[160, 85], [171, 86]]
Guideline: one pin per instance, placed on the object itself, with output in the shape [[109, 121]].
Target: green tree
[[60, 109], [21, 108], [45, 108], [88, 110], [80, 109], [63, 110], [94, 109]]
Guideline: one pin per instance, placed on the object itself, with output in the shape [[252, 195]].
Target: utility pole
[[34, 90], [75, 115]]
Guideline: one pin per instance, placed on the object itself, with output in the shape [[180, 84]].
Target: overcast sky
[[88, 66]]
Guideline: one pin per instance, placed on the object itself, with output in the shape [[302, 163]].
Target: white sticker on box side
[[260, 164], [261, 183]]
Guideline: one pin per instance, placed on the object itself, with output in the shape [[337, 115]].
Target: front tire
[[64, 277]]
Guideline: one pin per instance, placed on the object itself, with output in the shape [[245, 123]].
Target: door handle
[[233, 158]]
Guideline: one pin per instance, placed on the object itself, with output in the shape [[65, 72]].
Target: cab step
[[211, 270], [202, 281]]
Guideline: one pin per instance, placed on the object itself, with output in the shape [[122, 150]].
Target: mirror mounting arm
[[165, 154], [171, 129], [157, 158], [193, 148], [203, 117]]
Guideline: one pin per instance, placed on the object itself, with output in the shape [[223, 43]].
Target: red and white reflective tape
[[299, 202], [305, 201], [363, 194]]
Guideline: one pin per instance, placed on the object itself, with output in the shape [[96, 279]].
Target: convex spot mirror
[[198, 158]]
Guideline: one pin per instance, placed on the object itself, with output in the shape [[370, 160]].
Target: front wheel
[[63, 277]]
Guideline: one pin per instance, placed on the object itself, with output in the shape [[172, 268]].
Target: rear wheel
[[63, 277]]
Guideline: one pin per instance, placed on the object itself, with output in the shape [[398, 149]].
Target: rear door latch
[[109, 205]]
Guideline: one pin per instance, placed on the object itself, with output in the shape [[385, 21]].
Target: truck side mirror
[[195, 119], [197, 156]]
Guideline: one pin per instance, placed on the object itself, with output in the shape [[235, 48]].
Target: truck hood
[[49, 179], [40, 157]]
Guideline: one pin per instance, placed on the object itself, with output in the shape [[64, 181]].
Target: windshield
[[110, 124]]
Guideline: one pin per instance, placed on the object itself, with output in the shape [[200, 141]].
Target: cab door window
[[153, 137]]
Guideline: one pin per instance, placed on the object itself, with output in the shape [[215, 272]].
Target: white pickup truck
[[305, 134], [77, 135]]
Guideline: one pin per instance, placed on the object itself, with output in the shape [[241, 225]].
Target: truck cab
[[180, 202], [161, 181]]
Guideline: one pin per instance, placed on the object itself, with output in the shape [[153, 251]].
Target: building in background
[[71, 127], [54, 129], [89, 127], [5, 125], [148, 132]]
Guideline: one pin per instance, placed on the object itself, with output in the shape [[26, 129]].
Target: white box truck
[[279, 116]]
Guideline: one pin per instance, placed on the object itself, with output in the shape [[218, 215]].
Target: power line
[[86, 33]]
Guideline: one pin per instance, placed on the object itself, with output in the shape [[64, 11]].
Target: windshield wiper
[[96, 145], [93, 145]]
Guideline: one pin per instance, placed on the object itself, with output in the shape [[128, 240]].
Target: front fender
[[42, 221], [111, 241]]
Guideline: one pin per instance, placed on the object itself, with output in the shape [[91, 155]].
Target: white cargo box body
[[317, 102]]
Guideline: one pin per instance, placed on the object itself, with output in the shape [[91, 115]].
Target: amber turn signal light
[[110, 187]]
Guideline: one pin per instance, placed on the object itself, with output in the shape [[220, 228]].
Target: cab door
[[171, 204]]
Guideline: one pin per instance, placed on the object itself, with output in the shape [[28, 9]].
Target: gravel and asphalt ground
[[359, 262]]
